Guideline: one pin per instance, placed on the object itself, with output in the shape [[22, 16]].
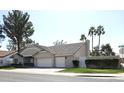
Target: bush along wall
[[75, 63], [102, 63]]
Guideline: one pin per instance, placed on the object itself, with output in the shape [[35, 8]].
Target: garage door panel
[[60, 62], [45, 62]]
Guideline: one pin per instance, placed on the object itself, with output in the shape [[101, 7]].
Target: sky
[[68, 19], [53, 25]]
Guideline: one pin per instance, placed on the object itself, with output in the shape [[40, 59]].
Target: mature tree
[[17, 27], [62, 42], [91, 33], [83, 38], [11, 46], [95, 52], [27, 41], [107, 50], [100, 31], [2, 37]]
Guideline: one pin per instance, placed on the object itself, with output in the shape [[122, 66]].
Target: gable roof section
[[59, 50], [28, 52], [31, 50], [67, 49]]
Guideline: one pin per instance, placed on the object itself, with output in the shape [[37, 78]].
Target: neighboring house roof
[[59, 50], [6, 53]]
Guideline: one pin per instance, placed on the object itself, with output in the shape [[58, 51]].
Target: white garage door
[[45, 62], [60, 61]]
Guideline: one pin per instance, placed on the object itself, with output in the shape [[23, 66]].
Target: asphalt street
[[24, 77]]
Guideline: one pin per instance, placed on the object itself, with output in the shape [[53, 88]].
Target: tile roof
[[59, 50], [66, 49], [6, 53], [31, 50], [28, 52]]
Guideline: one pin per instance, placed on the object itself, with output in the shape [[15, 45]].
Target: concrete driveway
[[35, 70], [55, 71]]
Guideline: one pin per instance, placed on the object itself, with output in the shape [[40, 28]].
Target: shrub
[[102, 63], [16, 65], [75, 63]]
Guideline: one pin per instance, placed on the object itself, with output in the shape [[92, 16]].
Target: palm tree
[[83, 38], [91, 33], [100, 31]]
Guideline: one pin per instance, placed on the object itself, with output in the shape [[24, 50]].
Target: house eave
[[63, 55]]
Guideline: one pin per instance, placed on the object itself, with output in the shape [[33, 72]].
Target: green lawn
[[87, 70], [8, 68]]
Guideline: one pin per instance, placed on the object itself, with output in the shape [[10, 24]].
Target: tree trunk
[[92, 43], [99, 42], [18, 45]]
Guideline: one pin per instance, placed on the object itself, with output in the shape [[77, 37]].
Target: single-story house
[[53, 56], [6, 57]]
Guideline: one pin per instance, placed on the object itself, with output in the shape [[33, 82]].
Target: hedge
[[102, 63], [75, 63]]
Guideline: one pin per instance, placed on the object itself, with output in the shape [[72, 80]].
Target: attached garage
[[60, 61], [44, 59], [45, 62]]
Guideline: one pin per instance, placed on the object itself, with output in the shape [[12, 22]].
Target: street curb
[[66, 74]]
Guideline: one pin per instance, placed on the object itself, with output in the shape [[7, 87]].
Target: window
[[65, 57], [1, 61], [15, 61]]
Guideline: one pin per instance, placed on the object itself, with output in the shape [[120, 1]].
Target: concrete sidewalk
[[52, 71]]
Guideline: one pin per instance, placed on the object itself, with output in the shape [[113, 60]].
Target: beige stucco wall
[[68, 61], [83, 51], [19, 58], [87, 48], [35, 62], [80, 52]]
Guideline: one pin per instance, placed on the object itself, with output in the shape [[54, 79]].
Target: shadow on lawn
[[93, 76]]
